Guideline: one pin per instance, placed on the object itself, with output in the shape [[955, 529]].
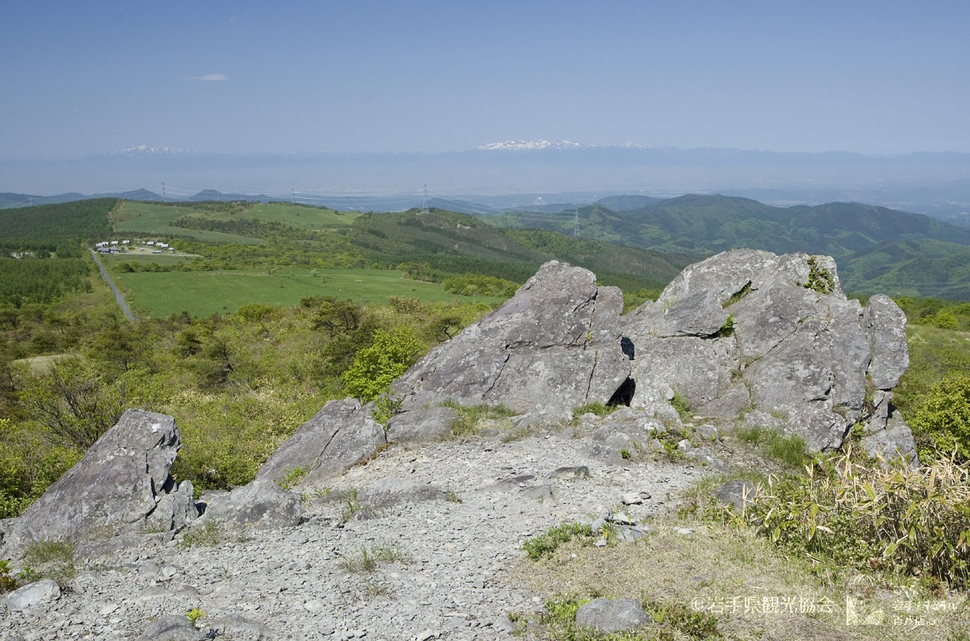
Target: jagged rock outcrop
[[120, 489], [553, 346], [341, 434], [749, 330]]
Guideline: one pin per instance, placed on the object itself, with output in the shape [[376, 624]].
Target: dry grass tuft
[[740, 579]]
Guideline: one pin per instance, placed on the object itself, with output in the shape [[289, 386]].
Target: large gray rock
[[120, 489], [553, 346], [885, 327], [748, 330], [262, 505], [341, 435]]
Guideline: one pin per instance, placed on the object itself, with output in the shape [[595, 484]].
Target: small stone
[[631, 499], [313, 605], [684, 531], [620, 518]]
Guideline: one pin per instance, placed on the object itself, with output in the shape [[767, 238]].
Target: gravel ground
[[441, 523]]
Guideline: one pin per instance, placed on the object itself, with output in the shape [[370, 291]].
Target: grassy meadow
[[204, 293], [145, 219]]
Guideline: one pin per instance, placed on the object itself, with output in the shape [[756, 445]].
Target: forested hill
[[877, 249], [58, 227], [696, 223]]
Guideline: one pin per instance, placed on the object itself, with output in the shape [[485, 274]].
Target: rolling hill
[[878, 249]]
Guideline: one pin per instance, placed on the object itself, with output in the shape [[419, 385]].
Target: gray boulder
[[609, 616], [748, 330], [885, 326], [33, 595], [553, 346], [117, 491], [262, 505], [626, 433], [341, 435], [737, 494]]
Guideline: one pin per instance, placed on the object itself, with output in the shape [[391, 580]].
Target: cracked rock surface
[[747, 330], [553, 346], [119, 489]]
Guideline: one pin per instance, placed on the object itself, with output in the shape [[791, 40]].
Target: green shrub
[[944, 319], [941, 422], [682, 405], [819, 278], [293, 478], [375, 367], [254, 312], [7, 582], [848, 512]]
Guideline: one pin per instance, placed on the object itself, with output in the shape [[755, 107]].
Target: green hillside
[[47, 227], [877, 249]]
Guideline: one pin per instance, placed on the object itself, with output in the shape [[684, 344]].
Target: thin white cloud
[[211, 77]]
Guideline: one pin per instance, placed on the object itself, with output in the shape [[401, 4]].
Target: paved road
[[118, 295]]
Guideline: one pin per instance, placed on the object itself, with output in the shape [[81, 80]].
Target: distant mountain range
[[937, 184], [877, 249]]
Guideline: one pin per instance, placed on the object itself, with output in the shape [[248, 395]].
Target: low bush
[[941, 422], [850, 512]]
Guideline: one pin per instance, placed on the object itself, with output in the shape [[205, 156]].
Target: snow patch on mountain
[[530, 145], [147, 149]]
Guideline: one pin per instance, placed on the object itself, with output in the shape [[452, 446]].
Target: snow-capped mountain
[[530, 145], [147, 149]]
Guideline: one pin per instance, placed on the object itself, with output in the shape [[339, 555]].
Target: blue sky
[[255, 77]]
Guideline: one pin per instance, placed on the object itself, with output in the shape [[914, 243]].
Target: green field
[[152, 219], [161, 294], [293, 215]]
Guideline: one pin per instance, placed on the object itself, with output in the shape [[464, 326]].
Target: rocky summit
[[357, 530]]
